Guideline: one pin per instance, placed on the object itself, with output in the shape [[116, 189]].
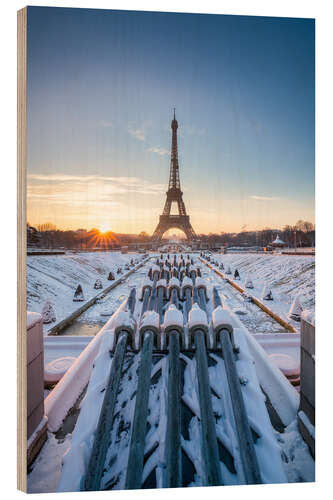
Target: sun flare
[[104, 228]]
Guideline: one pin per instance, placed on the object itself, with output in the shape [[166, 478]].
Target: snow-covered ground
[[46, 470], [56, 277], [286, 275]]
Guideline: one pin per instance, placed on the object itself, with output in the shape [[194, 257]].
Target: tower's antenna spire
[[174, 113]]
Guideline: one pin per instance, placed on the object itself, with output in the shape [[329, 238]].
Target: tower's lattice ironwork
[[174, 194]]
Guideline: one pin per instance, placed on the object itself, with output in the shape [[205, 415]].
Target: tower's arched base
[[167, 222]]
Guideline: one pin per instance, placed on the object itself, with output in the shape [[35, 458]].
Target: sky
[[102, 85]]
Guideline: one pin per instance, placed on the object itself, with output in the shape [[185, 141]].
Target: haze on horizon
[[101, 88]]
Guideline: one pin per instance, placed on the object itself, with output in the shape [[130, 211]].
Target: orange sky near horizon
[[131, 205]]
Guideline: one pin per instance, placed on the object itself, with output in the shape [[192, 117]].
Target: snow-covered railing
[[223, 331], [283, 396], [64, 395], [124, 334]]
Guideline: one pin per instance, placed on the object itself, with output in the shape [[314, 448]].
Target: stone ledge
[[307, 435], [36, 441]]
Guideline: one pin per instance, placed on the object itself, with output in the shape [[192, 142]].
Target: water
[[91, 321], [84, 328]]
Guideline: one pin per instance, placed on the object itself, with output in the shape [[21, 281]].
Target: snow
[[173, 321], [187, 282], [311, 428], [298, 462], [150, 319], [37, 431], [76, 460], [147, 283], [32, 319], [56, 277], [161, 283], [267, 293], [278, 241], [46, 469], [253, 366], [57, 368], [221, 318], [173, 317], [268, 452], [276, 343], [248, 283], [267, 447], [287, 276], [200, 282], [155, 269], [197, 317], [283, 396], [295, 310], [309, 316], [174, 283], [124, 320], [58, 346], [286, 363], [68, 389], [48, 313]]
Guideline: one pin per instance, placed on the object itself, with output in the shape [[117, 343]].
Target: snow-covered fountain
[[174, 398]]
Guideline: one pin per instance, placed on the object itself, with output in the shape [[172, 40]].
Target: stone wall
[[306, 416], [36, 422]]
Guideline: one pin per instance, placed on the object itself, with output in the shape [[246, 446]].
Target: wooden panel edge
[[21, 249]]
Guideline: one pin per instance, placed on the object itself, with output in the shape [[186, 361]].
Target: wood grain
[[21, 250]]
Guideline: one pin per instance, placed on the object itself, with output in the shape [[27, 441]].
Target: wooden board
[[21, 250]]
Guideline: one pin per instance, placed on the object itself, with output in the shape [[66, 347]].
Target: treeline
[[48, 236], [302, 234]]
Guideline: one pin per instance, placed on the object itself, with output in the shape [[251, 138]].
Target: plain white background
[[322, 11]]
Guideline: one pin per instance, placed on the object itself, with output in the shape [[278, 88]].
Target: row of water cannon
[[168, 307], [165, 323], [173, 269]]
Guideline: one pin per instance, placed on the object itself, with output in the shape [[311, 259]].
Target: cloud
[[159, 151], [89, 189], [139, 132], [264, 198]]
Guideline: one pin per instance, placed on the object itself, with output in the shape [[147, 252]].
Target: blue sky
[[101, 88]]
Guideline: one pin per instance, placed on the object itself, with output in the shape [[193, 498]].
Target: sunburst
[[104, 239]]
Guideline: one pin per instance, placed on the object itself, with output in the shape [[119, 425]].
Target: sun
[[104, 228]]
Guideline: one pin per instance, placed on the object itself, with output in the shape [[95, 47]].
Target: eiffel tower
[[174, 194]]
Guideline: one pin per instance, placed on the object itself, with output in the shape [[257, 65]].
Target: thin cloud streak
[[264, 198], [68, 187], [159, 151]]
